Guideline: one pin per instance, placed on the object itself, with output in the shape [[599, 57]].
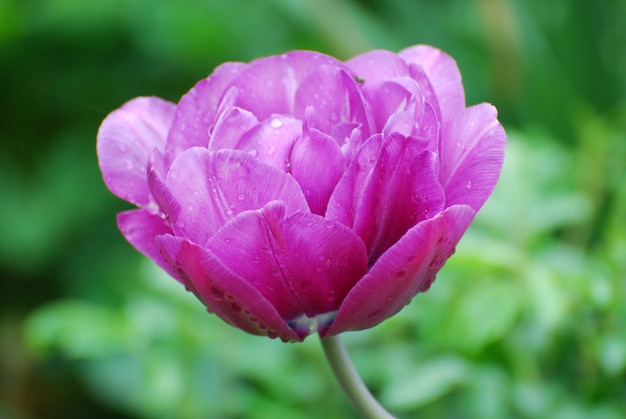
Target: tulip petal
[[268, 86], [302, 263], [404, 270], [335, 98], [472, 156], [391, 186], [140, 228], [443, 74], [196, 111], [126, 139], [317, 163], [223, 292], [378, 65], [230, 128], [272, 140], [213, 187]]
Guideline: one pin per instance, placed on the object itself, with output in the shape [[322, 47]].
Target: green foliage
[[526, 320]]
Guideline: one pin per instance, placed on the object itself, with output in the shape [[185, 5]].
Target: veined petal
[[126, 139], [223, 292], [141, 228], [472, 155], [391, 186], [405, 269], [443, 74], [196, 111], [303, 264], [317, 163], [213, 187]]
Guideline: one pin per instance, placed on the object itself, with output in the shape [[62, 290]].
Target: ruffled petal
[[303, 264], [223, 292], [391, 186], [472, 156], [141, 228], [444, 75], [335, 98], [317, 163], [213, 187], [268, 86], [378, 65], [402, 271], [196, 111], [126, 139]]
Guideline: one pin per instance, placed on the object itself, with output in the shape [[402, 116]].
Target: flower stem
[[350, 381]]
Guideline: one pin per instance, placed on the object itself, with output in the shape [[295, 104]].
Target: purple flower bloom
[[298, 193]]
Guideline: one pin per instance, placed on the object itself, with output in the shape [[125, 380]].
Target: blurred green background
[[527, 320]]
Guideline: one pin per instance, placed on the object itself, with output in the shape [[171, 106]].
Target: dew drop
[[241, 196], [121, 148], [236, 308], [468, 185], [271, 334], [253, 152], [217, 294], [129, 165], [276, 123], [401, 275], [271, 151]]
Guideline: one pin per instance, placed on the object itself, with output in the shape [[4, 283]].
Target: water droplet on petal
[[271, 151], [401, 275], [468, 185], [217, 294], [122, 148], [271, 334], [236, 308], [241, 196], [276, 123]]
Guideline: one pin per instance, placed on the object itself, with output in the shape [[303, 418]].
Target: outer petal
[[444, 75], [472, 155], [213, 187], [268, 85], [141, 228], [378, 65], [126, 139], [317, 163], [231, 126], [402, 271], [224, 292], [196, 111], [391, 186], [303, 264]]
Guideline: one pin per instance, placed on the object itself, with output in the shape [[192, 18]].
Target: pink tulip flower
[[297, 193]]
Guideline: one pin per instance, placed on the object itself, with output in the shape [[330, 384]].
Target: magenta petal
[[224, 292], [335, 97], [402, 271], [140, 228], [389, 97], [303, 264], [231, 126], [213, 187], [391, 186], [472, 155], [126, 139], [271, 141], [378, 65], [196, 111], [268, 86], [317, 163], [443, 74]]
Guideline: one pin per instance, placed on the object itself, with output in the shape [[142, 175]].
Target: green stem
[[350, 380]]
